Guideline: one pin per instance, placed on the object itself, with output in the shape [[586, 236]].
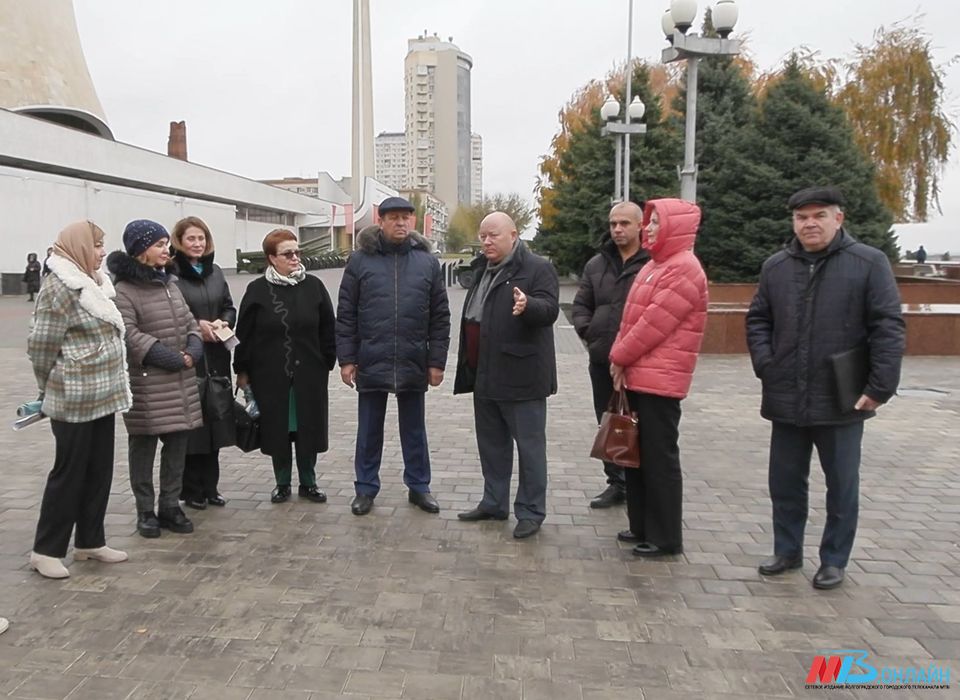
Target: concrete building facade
[[390, 159], [476, 169], [438, 136]]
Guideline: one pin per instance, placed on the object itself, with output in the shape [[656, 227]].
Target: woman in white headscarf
[[78, 356]]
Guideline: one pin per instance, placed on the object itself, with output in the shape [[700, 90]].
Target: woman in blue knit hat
[[163, 346]]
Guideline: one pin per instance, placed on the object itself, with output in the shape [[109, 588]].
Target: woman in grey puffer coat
[[163, 346]]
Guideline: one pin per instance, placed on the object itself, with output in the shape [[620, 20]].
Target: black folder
[[851, 369]]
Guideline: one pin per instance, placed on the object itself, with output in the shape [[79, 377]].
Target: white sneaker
[[104, 554], [51, 567], [3, 625]]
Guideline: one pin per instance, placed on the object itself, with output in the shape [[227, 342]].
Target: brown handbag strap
[[618, 403]]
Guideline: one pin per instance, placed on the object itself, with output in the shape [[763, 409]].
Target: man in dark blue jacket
[[597, 308], [393, 333], [507, 359], [827, 310]]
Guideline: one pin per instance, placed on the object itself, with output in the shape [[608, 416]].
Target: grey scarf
[[474, 311]]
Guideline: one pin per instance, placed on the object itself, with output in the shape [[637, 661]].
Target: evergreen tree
[[797, 139], [581, 173]]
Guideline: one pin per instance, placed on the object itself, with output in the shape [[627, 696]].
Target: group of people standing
[[822, 300], [152, 348]]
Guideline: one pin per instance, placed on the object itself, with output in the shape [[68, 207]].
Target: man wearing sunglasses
[[393, 332]]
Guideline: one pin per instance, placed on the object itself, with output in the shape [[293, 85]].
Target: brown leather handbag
[[618, 437]]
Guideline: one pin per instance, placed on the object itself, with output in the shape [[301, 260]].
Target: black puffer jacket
[[393, 318], [517, 358], [209, 299], [805, 312], [598, 305]]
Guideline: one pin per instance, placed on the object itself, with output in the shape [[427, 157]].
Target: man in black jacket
[[822, 296], [393, 333], [507, 359], [597, 307]]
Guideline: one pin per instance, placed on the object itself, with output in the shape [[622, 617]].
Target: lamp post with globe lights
[[622, 131], [676, 23]]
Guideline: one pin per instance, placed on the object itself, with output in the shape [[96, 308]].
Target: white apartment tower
[[390, 159], [476, 169], [437, 87]]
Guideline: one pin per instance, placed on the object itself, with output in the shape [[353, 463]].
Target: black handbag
[[216, 397], [618, 437], [248, 429]]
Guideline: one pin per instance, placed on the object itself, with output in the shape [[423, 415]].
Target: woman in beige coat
[[163, 345], [77, 352]]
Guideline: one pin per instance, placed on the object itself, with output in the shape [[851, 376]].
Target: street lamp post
[[691, 48], [622, 131]]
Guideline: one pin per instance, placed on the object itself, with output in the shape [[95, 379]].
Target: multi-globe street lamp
[[676, 22], [622, 131]]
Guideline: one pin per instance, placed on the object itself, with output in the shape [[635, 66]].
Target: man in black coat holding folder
[[826, 338]]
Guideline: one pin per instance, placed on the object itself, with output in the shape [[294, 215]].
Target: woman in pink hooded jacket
[[654, 356]]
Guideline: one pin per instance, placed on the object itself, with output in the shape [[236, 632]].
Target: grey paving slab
[[307, 601]]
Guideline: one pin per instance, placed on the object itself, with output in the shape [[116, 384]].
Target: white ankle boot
[[51, 567], [104, 554], [3, 625]]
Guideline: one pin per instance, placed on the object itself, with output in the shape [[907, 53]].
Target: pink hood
[[679, 221]]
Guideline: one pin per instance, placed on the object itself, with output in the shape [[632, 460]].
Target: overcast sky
[[265, 86]]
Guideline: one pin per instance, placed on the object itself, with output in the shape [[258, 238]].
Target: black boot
[[174, 520], [147, 524]]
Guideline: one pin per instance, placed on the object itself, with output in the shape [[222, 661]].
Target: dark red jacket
[[666, 310]]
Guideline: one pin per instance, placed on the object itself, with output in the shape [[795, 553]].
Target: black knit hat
[[140, 234]]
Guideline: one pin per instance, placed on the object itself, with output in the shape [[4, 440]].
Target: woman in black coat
[[31, 275], [208, 296], [286, 352]]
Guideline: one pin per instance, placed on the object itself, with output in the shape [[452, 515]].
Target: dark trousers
[[201, 476], [500, 424], [790, 450], [602, 384], [142, 450], [655, 490], [306, 466], [371, 410], [78, 487]]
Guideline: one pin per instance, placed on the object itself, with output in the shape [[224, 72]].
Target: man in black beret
[[826, 338], [393, 332]]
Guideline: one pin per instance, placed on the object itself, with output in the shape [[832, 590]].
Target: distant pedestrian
[[46, 262], [31, 275], [824, 297], [921, 255], [76, 348], [163, 348], [606, 280], [653, 358]]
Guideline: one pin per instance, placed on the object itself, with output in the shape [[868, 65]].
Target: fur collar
[[126, 268], [185, 269], [94, 299], [368, 240]]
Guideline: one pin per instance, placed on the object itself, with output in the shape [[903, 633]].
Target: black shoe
[[828, 577], [477, 514], [174, 520], [645, 549], [613, 495], [280, 494], [775, 565], [218, 501], [195, 503], [148, 525], [525, 528], [424, 501], [362, 504], [312, 493], [628, 536]]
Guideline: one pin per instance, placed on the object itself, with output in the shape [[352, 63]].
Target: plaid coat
[[76, 346]]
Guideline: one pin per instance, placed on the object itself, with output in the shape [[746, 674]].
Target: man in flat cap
[[393, 332], [826, 338]]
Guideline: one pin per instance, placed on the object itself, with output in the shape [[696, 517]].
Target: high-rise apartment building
[[390, 159], [476, 169], [437, 87]]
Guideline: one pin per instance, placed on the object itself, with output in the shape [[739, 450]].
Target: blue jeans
[[371, 410], [838, 447]]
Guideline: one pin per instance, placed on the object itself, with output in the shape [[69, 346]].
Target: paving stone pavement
[[307, 601]]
